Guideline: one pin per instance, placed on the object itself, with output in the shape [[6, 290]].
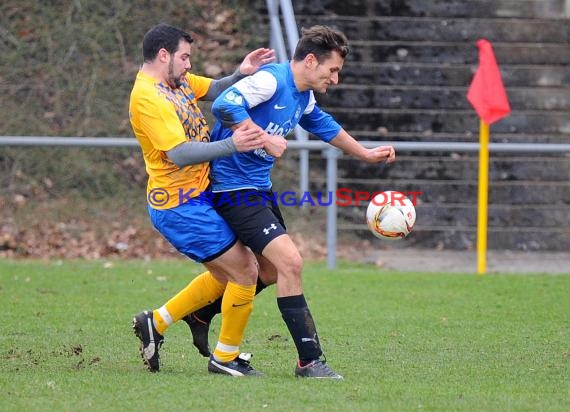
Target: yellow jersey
[[162, 118]]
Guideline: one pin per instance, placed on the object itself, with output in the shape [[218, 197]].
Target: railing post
[[332, 155], [303, 136], [277, 41], [290, 25]]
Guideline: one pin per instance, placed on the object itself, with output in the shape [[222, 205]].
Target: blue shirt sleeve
[[230, 107], [321, 124]]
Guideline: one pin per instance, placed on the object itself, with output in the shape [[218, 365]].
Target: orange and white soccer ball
[[391, 215]]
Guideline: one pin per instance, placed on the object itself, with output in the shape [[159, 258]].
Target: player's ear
[[163, 55], [311, 61]]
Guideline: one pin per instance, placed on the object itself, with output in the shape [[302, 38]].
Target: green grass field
[[403, 341]]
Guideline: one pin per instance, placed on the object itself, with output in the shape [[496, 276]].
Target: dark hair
[[165, 37], [321, 41]]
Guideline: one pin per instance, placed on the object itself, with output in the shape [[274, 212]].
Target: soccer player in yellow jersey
[[175, 143]]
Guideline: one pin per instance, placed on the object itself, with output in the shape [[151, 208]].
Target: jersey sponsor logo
[[261, 153], [234, 98], [277, 107], [278, 130]]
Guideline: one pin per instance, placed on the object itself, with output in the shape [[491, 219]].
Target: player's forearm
[[190, 153], [348, 144]]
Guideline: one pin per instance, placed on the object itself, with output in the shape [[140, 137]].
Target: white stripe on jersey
[[257, 88], [311, 104]]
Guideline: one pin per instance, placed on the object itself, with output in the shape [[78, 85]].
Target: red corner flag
[[487, 94]]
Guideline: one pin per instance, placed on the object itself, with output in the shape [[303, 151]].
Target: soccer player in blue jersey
[[276, 99]]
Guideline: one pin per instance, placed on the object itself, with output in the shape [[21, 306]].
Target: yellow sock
[[202, 290], [237, 305]]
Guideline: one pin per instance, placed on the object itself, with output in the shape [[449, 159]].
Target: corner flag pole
[[482, 197], [488, 97]]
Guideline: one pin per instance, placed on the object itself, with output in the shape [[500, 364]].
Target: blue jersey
[[271, 99]]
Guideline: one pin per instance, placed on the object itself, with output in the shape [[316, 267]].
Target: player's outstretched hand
[[254, 60], [275, 145], [381, 154], [248, 137]]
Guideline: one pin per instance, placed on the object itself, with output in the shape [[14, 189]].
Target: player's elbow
[[220, 112], [217, 107]]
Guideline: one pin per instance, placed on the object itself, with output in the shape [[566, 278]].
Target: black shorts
[[254, 216]]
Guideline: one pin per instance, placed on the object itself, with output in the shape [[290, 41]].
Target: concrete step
[[553, 123], [397, 256], [460, 238], [439, 97], [522, 229], [454, 226], [455, 167], [441, 29], [498, 216], [419, 74], [458, 53], [465, 216], [552, 9]]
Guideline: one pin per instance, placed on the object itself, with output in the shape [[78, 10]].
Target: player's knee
[[292, 265], [246, 272], [297, 265]]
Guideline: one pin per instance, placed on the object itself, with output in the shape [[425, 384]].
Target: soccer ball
[[390, 215]]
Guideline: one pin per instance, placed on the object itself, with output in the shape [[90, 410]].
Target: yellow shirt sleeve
[[199, 84]]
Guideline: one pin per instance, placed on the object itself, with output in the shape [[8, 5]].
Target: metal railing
[[445, 147]]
